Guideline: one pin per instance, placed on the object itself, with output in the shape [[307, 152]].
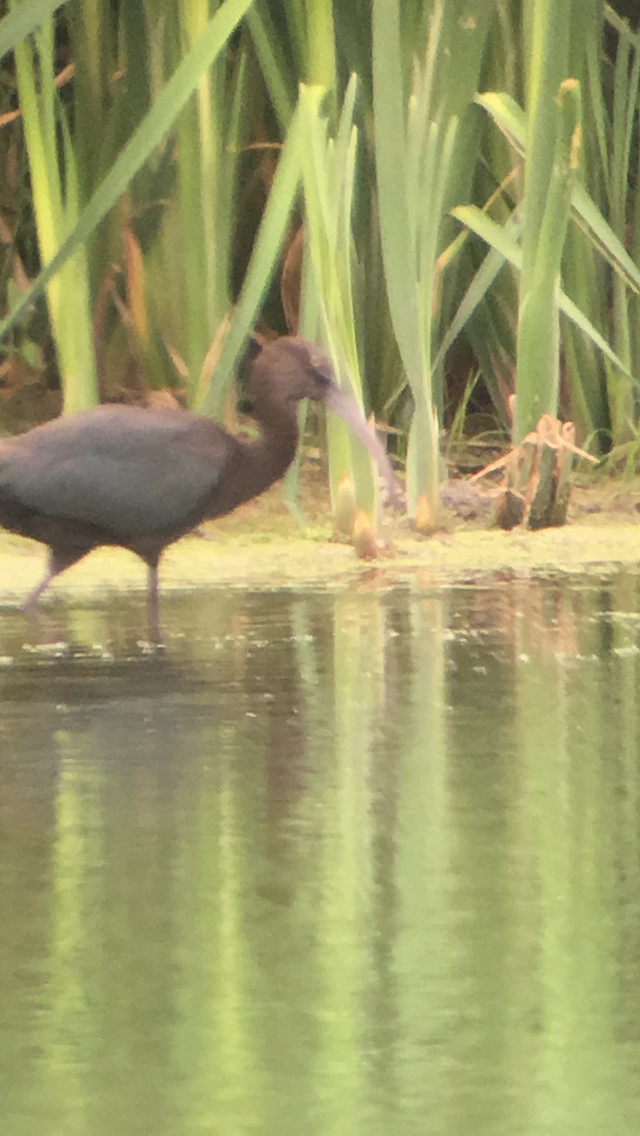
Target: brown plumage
[[141, 479]]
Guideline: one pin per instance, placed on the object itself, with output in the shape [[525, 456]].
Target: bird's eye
[[323, 380]]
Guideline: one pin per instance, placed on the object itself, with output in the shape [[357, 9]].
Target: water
[[363, 862]]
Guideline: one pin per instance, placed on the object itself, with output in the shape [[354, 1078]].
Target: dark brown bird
[[141, 479]]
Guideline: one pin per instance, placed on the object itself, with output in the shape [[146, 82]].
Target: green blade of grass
[[149, 133], [511, 120], [504, 244], [24, 19], [263, 261], [391, 173]]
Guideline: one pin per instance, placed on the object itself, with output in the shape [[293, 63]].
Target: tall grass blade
[[329, 171], [149, 133], [263, 261], [511, 120], [507, 247], [23, 19], [54, 185]]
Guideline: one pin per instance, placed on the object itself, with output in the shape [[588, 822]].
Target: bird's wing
[[131, 472]]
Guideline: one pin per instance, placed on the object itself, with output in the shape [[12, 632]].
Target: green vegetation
[[447, 195]]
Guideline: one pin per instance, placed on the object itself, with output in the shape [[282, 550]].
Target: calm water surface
[[363, 862]]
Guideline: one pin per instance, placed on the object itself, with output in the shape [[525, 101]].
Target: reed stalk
[[54, 181]]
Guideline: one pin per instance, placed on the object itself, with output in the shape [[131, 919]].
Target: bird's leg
[[55, 565], [153, 605], [35, 593]]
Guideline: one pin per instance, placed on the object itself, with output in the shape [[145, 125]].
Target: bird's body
[[141, 479]]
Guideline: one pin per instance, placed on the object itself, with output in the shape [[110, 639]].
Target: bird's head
[[290, 369]]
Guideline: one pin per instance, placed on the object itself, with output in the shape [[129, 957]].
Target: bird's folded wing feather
[[127, 472]]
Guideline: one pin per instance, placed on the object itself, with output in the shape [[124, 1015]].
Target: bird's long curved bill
[[344, 405]]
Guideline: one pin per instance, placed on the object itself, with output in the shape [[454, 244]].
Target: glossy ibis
[[141, 479]]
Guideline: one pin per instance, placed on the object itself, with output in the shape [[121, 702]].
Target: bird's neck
[[271, 453], [259, 462]]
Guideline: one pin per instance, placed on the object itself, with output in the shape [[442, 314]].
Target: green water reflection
[[340, 864]]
